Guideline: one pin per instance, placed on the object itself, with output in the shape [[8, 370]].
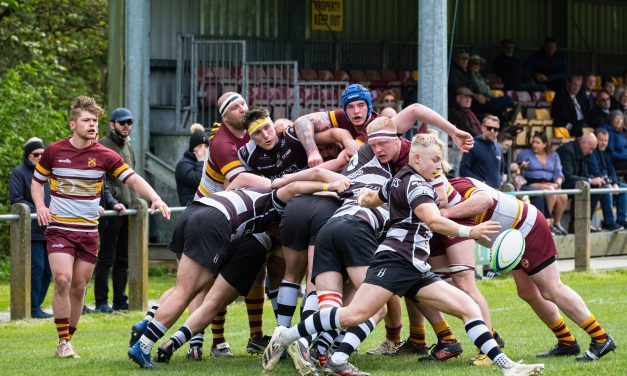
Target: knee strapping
[[458, 268], [329, 298]]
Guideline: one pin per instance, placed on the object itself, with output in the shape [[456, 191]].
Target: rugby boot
[[597, 350], [443, 351], [561, 350]]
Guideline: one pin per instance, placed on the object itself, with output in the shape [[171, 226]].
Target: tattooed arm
[[305, 127]]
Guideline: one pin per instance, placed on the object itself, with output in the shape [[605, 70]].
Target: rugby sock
[[594, 330], [197, 340], [254, 306], [325, 340], [393, 334], [417, 335], [63, 328], [217, 328], [559, 328], [272, 296], [71, 331], [180, 337], [151, 312], [310, 305], [154, 331], [324, 320], [353, 338], [480, 335], [286, 302], [443, 331]]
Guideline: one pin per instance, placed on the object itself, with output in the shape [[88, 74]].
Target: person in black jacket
[[19, 192], [568, 108], [188, 170], [600, 114]]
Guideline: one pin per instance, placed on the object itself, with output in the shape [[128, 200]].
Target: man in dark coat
[[188, 170]]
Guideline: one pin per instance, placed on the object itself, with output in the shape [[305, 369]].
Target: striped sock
[[310, 305], [63, 328], [443, 331], [286, 302], [197, 340], [353, 338], [325, 340], [154, 332], [417, 335], [254, 306], [393, 334], [71, 331], [151, 312], [559, 328], [322, 321], [180, 337], [217, 328], [272, 296], [594, 330], [480, 335]]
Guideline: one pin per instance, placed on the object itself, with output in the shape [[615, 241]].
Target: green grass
[[102, 340]]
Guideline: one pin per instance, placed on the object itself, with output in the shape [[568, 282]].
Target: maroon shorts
[[440, 242], [82, 245], [540, 250]]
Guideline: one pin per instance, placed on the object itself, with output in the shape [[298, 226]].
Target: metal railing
[[138, 213]]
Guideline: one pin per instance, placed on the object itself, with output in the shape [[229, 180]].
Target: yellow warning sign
[[327, 15]]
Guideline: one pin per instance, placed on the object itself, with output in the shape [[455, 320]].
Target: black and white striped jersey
[[287, 156], [365, 171], [407, 235], [249, 210]]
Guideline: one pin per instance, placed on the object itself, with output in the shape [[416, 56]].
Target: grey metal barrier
[[138, 212]]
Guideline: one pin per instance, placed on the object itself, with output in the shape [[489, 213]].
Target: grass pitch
[[102, 340]]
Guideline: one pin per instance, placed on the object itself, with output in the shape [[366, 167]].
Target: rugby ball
[[507, 250]]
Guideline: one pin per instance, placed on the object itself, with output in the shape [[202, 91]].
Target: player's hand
[[463, 140], [339, 186], [43, 216], [281, 126], [120, 207], [101, 211], [444, 212], [162, 206], [314, 159], [279, 182], [484, 230], [350, 147]]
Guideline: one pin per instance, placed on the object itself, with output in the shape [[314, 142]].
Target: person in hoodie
[[188, 171]]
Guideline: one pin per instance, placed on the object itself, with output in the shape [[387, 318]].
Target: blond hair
[[381, 123], [196, 127], [425, 140], [84, 103]]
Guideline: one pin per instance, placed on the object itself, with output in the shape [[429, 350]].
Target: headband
[[258, 124], [382, 134], [228, 103]]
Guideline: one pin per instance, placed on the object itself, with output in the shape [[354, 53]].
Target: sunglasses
[[604, 99], [126, 122], [36, 155], [492, 129]]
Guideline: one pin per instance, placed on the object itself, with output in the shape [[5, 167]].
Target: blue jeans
[[607, 203], [40, 274]]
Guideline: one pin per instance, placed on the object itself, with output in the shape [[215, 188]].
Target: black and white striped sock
[[481, 336], [352, 339], [197, 340], [286, 302], [181, 336], [154, 332], [272, 297], [322, 321]]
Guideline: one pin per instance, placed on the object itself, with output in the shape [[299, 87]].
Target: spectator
[[113, 254], [600, 114], [609, 86], [484, 161], [622, 100], [512, 72], [623, 87], [388, 99], [188, 171], [569, 108], [586, 94], [459, 76], [618, 139], [600, 164], [574, 167], [548, 66], [461, 115], [19, 192], [492, 104], [542, 170]]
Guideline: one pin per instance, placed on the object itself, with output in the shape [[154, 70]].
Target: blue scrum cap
[[357, 92]]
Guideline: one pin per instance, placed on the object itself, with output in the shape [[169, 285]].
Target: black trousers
[[113, 255]]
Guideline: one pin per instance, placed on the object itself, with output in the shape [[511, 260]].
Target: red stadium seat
[[340, 75], [309, 75], [325, 75]]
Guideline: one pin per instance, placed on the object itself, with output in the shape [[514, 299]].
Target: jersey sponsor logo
[[91, 163], [381, 272], [64, 161], [57, 245], [355, 174], [352, 163], [396, 182], [216, 258]]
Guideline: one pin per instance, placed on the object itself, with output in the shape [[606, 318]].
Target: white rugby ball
[[507, 250]]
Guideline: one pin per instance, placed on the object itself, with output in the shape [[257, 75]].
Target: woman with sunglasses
[[19, 192]]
